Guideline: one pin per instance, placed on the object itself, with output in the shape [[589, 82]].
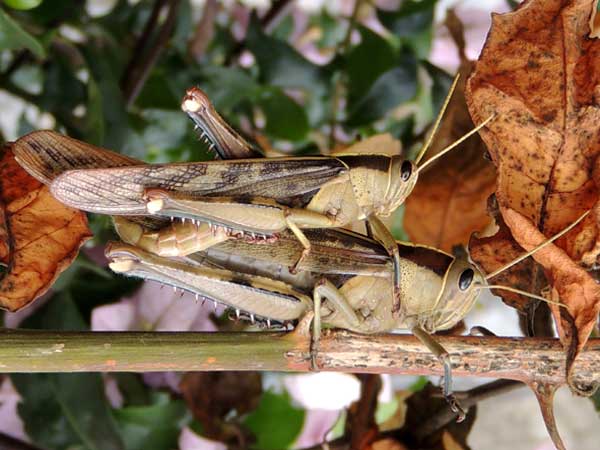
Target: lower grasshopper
[[348, 287], [257, 197]]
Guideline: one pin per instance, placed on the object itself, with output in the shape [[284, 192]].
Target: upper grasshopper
[[255, 197]]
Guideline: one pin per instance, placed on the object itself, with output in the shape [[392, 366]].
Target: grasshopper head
[[458, 295], [402, 179], [381, 183]]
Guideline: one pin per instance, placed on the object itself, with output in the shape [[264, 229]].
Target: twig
[[10, 443], [522, 359], [342, 49], [141, 64], [361, 426], [467, 399], [271, 17], [204, 30], [141, 44]]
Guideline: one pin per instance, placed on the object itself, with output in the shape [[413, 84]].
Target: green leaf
[[386, 410], [94, 116], [285, 118], [157, 93], [160, 136], [411, 18], [281, 65], [284, 28], [419, 384], [276, 422], [23, 4], [332, 30], [394, 87], [366, 62], [228, 86], [51, 12], [441, 85], [412, 23], [106, 61], [61, 411], [184, 27], [62, 91], [133, 389], [13, 37], [154, 427]]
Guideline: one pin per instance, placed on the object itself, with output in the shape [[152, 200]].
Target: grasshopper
[[347, 286], [258, 197]]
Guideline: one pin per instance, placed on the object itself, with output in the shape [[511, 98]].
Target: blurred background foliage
[[113, 74]]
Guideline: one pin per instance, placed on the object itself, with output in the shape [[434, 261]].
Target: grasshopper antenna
[[520, 292], [457, 142], [438, 120], [536, 248]]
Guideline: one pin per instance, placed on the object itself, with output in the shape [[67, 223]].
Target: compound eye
[[406, 170], [465, 280]]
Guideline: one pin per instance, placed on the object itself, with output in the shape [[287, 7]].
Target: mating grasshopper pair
[[257, 201], [256, 197]]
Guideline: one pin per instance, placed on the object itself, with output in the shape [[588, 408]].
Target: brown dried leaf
[[43, 235], [449, 201], [211, 396], [540, 74], [388, 444], [4, 246], [575, 287], [493, 252]]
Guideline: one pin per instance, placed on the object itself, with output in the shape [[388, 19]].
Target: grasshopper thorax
[[460, 290]]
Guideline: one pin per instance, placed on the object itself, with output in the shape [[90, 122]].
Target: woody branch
[[522, 359]]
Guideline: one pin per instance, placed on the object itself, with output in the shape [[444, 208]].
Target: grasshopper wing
[[47, 154], [121, 190]]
